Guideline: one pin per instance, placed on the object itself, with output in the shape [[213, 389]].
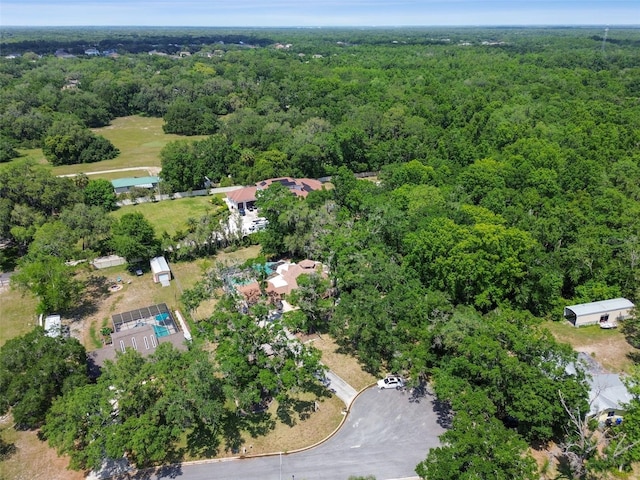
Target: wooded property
[[505, 194]]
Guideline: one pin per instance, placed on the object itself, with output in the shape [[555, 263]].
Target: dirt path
[[149, 170]]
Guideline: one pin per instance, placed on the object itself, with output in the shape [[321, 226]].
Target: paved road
[[386, 434]]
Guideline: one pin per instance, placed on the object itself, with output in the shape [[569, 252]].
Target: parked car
[[608, 325], [136, 269], [391, 381]]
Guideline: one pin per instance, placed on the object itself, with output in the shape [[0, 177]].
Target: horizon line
[[510, 25]]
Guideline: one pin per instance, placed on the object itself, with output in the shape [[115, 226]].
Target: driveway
[[5, 280], [149, 170], [386, 434], [342, 389]]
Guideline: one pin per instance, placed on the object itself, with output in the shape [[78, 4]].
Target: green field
[[140, 140], [171, 215], [17, 314]]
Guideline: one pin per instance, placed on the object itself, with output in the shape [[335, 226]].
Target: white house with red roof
[[244, 198]]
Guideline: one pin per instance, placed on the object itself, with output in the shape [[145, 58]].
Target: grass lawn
[[608, 347], [305, 431], [140, 140], [171, 215], [32, 459], [17, 314], [34, 154]]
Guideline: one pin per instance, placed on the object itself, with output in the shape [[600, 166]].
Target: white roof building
[[604, 311], [607, 392], [160, 271]]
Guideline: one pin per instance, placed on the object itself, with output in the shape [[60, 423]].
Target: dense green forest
[[539, 128], [508, 184]]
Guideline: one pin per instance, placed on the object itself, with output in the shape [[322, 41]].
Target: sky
[[308, 13]]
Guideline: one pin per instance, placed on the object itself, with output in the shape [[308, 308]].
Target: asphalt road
[[386, 434]]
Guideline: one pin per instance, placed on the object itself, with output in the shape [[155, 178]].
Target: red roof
[[298, 186], [246, 194]]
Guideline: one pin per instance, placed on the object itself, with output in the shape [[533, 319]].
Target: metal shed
[[161, 271], [602, 312], [123, 185]]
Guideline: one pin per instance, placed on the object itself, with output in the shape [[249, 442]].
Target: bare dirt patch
[[608, 347], [345, 366]]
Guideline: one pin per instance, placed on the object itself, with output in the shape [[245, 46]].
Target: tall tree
[[190, 118], [478, 447], [142, 408], [55, 239], [313, 298], [51, 280], [89, 223], [68, 143], [518, 366], [274, 204], [35, 370], [134, 237], [259, 361], [100, 193]]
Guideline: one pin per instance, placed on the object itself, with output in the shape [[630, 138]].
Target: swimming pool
[[161, 331]]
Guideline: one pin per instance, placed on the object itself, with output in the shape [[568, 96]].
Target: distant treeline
[[75, 40], [137, 44]]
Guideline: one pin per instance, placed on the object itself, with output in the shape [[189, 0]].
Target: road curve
[[386, 434]]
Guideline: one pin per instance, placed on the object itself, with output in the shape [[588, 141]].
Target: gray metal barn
[[602, 312]]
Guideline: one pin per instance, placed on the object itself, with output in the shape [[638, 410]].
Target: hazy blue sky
[[268, 13]]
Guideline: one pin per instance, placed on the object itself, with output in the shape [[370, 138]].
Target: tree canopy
[[36, 370], [134, 237], [141, 407]]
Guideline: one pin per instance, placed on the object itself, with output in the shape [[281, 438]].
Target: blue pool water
[[160, 331]]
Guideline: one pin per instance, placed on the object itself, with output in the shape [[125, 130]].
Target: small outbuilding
[[604, 312], [160, 271]]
